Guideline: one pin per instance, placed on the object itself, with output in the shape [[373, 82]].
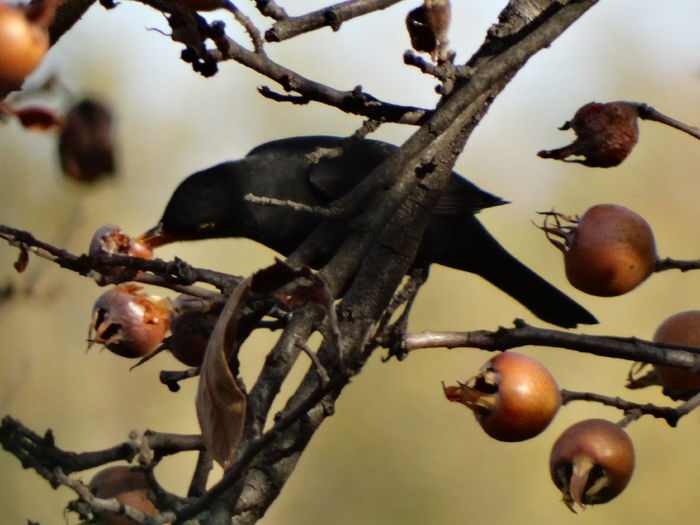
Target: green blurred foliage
[[395, 452]]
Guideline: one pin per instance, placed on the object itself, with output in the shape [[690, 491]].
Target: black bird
[[210, 204]]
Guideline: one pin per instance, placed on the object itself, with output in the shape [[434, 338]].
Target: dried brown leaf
[[221, 405], [22, 260]]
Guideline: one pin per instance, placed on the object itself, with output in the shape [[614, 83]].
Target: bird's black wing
[[335, 175]]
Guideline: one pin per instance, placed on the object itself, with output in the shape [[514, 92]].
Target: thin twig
[[171, 378], [176, 274], [669, 414], [247, 24], [41, 454], [523, 334], [675, 264], [353, 101], [647, 112], [331, 16], [322, 372], [111, 505]]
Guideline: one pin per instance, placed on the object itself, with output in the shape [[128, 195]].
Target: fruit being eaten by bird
[[110, 240], [513, 397], [216, 203]]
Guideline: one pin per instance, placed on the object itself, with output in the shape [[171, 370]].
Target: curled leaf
[[22, 260], [221, 405], [38, 118]]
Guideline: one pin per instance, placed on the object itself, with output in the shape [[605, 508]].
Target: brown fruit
[[682, 328], [128, 486], [23, 44], [128, 322], [513, 397], [86, 143], [591, 462], [607, 252], [606, 134]]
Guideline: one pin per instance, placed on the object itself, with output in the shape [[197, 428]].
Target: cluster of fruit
[[514, 398], [608, 251], [134, 324]]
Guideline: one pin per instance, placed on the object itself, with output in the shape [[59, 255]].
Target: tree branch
[[41, 454], [670, 414], [629, 348], [355, 101], [332, 16], [170, 274]]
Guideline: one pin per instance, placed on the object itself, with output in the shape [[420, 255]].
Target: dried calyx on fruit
[[513, 397], [607, 133], [682, 328], [129, 486], [591, 462], [608, 251], [128, 322]]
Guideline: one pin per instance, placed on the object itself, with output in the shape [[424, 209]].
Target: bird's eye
[[206, 226]]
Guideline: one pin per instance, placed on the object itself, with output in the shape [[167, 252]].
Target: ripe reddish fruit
[[682, 328], [22, 45], [513, 397], [128, 486], [591, 462], [606, 134], [128, 322], [607, 252]]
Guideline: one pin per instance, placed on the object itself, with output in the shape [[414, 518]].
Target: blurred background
[[395, 452]]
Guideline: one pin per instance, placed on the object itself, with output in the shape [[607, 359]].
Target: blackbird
[[211, 203]]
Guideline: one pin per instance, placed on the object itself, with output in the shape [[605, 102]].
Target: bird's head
[[204, 206]]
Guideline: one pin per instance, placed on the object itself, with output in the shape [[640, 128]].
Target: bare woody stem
[[332, 16], [670, 414], [649, 113], [522, 334]]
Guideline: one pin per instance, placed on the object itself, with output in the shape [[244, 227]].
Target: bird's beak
[[155, 237]]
